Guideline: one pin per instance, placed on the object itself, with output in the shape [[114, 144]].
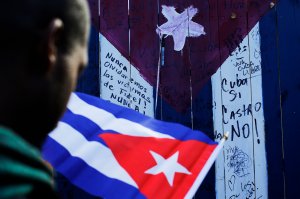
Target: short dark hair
[[23, 22]]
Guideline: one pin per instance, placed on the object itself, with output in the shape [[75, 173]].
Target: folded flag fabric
[[114, 152]]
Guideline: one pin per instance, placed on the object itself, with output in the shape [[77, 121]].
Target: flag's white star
[[180, 25], [168, 166]]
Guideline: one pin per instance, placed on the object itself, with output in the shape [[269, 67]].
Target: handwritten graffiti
[[121, 83], [239, 110], [231, 182], [238, 161], [247, 189]]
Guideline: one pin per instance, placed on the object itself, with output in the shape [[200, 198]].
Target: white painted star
[[180, 25], [168, 166]]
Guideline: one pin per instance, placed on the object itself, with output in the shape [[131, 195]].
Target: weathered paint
[[280, 31], [89, 80], [121, 83], [241, 170]]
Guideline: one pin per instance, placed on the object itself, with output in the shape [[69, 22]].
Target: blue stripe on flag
[[82, 175], [177, 131], [86, 127]]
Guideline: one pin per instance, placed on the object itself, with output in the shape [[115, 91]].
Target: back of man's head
[[24, 21], [42, 50]]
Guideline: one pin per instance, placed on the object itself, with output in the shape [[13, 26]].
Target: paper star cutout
[[168, 166], [180, 25]]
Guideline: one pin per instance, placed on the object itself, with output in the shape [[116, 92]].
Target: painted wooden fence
[[249, 84]]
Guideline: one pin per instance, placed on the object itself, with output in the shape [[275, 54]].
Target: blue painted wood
[[89, 80], [280, 33], [203, 121], [289, 54], [271, 101]]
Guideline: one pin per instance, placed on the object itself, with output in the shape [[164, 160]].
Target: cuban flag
[[114, 152]]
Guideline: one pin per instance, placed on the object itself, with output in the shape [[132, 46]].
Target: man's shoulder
[[22, 171], [13, 142]]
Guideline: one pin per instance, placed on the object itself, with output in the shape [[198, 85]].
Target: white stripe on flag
[[93, 153], [108, 121]]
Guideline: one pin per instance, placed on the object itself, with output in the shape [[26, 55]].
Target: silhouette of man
[[43, 49]]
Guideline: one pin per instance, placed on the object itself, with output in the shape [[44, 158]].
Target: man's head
[[43, 48]]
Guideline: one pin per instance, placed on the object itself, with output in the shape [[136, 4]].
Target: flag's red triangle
[[133, 154]]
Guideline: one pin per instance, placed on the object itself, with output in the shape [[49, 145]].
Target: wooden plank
[[234, 98], [176, 66], [241, 111], [271, 101], [144, 45], [114, 24], [260, 182], [114, 45], [120, 81], [200, 115], [144, 41], [89, 80], [203, 55], [241, 170], [289, 48], [203, 121]]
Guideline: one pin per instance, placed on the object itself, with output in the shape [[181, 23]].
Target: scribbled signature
[[234, 196], [247, 191], [239, 161], [231, 183]]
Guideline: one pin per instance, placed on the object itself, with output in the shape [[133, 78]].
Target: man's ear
[[55, 29]]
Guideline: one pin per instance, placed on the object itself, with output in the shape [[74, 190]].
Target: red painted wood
[[114, 23], [175, 87], [144, 42]]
